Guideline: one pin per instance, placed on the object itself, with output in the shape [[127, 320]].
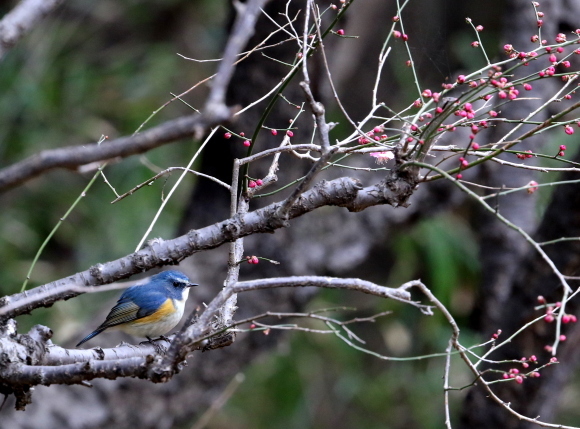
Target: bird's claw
[[158, 347]]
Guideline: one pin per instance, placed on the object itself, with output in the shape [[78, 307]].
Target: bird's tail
[[91, 335]]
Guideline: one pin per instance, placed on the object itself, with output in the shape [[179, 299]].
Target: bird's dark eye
[[177, 283]]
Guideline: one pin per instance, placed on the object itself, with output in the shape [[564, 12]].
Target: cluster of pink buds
[[528, 154], [548, 72], [254, 183], [376, 134], [228, 136], [549, 317], [562, 150], [506, 88], [524, 56], [569, 318], [466, 111], [560, 38], [399, 35], [252, 259], [427, 93], [515, 374], [525, 364], [496, 335]]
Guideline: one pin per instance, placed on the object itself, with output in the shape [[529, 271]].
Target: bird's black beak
[[192, 285]]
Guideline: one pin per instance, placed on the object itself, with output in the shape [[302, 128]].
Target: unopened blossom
[[532, 187]]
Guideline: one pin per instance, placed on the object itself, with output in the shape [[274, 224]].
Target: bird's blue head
[[174, 281]]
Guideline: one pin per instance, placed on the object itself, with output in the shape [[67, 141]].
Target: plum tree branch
[[75, 156], [21, 20], [215, 112], [32, 359]]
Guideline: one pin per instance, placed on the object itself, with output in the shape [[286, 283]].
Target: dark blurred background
[[102, 67]]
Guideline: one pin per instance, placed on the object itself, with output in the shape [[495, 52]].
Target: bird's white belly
[[160, 327]]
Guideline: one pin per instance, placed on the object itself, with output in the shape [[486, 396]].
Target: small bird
[[149, 310]]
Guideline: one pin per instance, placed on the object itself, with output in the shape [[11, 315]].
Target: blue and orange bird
[[149, 310]]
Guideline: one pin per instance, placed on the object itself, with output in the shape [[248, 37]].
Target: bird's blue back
[[151, 296]]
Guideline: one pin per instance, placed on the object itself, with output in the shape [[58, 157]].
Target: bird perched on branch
[[149, 310]]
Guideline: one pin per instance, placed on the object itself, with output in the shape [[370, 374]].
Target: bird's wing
[[132, 306]]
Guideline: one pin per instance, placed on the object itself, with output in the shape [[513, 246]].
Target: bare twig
[[163, 173]]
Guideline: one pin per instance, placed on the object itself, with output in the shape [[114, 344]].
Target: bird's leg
[[158, 348]]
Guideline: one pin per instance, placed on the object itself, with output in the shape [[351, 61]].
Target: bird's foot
[[158, 347]]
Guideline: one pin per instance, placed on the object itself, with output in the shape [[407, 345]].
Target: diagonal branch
[[343, 192], [21, 20], [75, 156]]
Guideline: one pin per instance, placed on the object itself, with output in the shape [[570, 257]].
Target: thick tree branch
[[30, 360], [343, 192], [21, 20], [71, 157]]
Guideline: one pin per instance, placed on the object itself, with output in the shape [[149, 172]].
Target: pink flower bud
[[532, 187]]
